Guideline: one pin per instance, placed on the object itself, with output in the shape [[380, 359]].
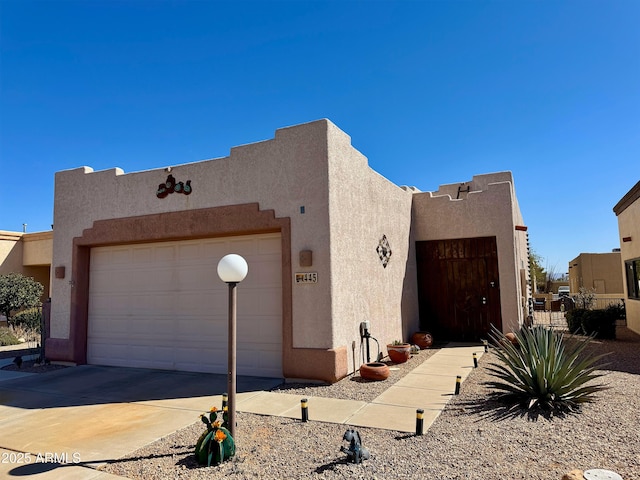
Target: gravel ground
[[473, 439], [31, 366]]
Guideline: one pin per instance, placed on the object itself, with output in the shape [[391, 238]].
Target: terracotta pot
[[399, 353], [374, 371], [423, 339], [512, 338]]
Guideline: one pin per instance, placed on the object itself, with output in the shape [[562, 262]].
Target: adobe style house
[[599, 272], [28, 254], [628, 212], [329, 242]]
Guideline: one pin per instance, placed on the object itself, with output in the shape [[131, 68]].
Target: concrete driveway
[[68, 422]]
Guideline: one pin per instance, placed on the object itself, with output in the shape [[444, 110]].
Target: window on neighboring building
[[632, 268]]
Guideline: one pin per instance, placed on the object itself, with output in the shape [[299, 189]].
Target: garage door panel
[[107, 325], [189, 251], [271, 330], [258, 361], [270, 271], [196, 277], [192, 303], [195, 328], [119, 256], [114, 304], [144, 302], [266, 301], [102, 283], [270, 245], [246, 248], [163, 306], [142, 255], [163, 253], [214, 249], [261, 334]]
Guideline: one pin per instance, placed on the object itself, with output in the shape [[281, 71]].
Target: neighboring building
[[330, 243], [599, 272], [628, 212], [29, 254]]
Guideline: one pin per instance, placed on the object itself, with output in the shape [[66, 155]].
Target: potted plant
[[399, 352]]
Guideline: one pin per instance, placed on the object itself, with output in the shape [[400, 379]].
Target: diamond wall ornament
[[384, 251]]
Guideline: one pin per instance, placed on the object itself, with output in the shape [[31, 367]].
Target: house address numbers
[[307, 277]]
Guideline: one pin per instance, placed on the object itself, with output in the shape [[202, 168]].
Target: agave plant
[[540, 371]]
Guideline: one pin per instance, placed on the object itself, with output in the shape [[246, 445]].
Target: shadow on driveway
[[94, 385]]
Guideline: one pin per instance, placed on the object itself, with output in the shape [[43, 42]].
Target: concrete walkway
[[66, 423], [429, 387]]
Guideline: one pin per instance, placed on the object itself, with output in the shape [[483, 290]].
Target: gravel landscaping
[[473, 438]]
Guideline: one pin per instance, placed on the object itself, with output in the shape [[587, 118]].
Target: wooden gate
[[458, 287]]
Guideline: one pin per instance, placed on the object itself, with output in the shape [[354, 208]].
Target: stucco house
[[28, 254], [599, 272], [330, 243], [628, 212]]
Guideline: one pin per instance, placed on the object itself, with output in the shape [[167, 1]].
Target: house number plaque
[[307, 277], [171, 186]]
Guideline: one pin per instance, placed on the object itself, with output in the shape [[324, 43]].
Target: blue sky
[[431, 92]]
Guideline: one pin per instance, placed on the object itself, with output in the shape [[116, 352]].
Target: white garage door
[[162, 305]]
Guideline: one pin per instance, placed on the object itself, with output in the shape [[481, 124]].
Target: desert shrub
[[29, 319], [7, 337], [18, 292], [574, 320], [585, 298], [599, 323], [617, 311], [541, 371]]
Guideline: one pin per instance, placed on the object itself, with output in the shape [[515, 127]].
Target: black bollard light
[[225, 400], [475, 360], [305, 410], [419, 421], [458, 380]]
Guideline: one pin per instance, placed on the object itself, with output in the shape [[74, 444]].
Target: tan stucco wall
[[282, 174], [10, 252], [629, 226], [364, 206], [28, 254], [38, 249], [348, 207], [338, 208], [489, 209], [598, 271]]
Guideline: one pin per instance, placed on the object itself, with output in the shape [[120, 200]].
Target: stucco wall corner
[[328, 365]]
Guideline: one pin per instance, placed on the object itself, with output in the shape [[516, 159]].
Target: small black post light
[[475, 360], [419, 421], [458, 380], [305, 410]]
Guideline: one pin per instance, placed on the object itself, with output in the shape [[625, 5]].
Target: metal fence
[[550, 310]]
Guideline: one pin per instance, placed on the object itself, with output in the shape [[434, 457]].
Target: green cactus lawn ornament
[[216, 444]]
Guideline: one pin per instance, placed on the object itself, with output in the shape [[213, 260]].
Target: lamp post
[[232, 269]]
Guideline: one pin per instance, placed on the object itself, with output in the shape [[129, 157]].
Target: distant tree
[[551, 275], [537, 270], [18, 292]]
